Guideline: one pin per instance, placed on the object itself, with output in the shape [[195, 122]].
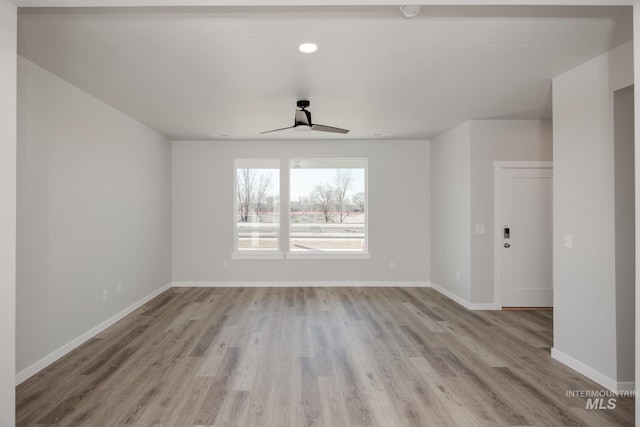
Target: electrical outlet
[[105, 295], [225, 264], [392, 264], [458, 276], [119, 288]]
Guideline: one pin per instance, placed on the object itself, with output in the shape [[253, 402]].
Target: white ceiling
[[203, 72]]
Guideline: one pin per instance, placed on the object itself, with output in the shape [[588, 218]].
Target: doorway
[[523, 234], [625, 232]]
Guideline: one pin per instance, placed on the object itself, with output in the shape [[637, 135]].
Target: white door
[[526, 237]]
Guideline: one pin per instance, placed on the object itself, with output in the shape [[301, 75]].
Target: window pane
[[328, 205], [257, 205]]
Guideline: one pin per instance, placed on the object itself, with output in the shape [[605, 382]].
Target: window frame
[[256, 253], [284, 225], [330, 164]]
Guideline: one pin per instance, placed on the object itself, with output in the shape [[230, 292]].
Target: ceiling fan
[[302, 121]]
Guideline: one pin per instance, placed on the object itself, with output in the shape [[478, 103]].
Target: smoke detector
[[410, 10]]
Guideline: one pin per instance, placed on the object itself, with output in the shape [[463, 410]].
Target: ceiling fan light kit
[[410, 11], [302, 121]]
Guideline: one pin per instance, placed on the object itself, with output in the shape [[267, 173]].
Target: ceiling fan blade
[[323, 128], [276, 130]]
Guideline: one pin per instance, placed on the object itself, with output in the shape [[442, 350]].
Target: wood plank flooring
[[315, 357]]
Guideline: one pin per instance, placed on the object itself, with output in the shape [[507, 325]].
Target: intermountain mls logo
[[600, 399]]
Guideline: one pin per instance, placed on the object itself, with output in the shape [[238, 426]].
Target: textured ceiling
[[199, 73]]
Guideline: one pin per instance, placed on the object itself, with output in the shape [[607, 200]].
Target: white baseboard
[[591, 373], [463, 302], [296, 284], [57, 354]]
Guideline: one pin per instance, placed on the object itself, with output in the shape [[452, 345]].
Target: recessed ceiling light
[[308, 47]]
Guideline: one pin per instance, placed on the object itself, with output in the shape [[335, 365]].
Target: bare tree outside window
[[245, 191], [358, 201], [343, 181], [254, 192], [262, 193], [323, 197]]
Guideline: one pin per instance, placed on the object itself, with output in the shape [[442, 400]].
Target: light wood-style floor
[[315, 357]]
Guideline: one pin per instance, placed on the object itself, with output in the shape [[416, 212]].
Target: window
[[257, 206], [327, 206], [327, 201]]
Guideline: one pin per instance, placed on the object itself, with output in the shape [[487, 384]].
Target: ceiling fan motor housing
[[303, 118], [303, 103]]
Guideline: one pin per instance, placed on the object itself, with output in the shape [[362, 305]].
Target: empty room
[[302, 213]]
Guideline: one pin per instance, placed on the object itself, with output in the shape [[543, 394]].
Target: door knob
[[506, 245]]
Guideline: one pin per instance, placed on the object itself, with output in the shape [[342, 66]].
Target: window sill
[[303, 255], [257, 255], [328, 255]]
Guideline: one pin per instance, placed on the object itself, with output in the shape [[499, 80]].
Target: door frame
[[498, 167]]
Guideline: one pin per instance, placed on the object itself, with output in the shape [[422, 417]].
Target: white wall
[[451, 211], [94, 210], [8, 33], [203, 176], [497, 140], [584, 206]]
